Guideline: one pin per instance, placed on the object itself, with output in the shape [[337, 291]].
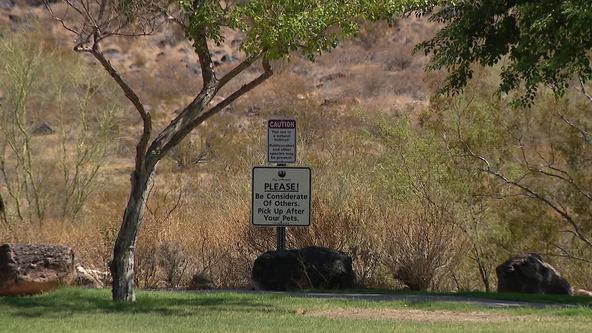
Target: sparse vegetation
[[58, 129]]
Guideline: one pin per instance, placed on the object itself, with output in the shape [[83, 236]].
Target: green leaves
[[281, 27], [544, 43], [205, 20]]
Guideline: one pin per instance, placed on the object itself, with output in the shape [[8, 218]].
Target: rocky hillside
[[375, 70]]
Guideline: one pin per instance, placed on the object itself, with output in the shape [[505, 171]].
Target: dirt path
[[420, 315], [410, 314]]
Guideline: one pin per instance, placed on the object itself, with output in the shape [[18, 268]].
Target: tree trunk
[[122, 266]]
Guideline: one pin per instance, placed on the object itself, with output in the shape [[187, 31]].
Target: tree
[[273, 29], [539, 43], [539, 150]]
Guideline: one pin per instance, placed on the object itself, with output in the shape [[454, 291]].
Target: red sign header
[[281, 123]]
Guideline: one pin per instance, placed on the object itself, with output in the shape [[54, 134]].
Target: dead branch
[[582, 131], [583, 91], [135, 99], [560, 210]]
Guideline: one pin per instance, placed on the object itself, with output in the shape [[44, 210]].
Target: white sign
[[281, 196], [281, 141]]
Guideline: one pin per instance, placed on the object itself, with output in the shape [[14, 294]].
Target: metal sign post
[[280, 232], [281, 238]]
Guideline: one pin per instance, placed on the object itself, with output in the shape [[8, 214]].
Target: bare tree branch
[[582, 132], [135, 99], [567, 254], [569, 181], [104, 26], [175, 19], [560, 210], [61, 21], [583, 91], [556, 206], [98, 21]]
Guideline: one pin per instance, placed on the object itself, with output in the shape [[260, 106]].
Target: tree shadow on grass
[[68, 302]]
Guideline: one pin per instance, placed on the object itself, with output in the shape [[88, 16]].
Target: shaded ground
[[484, 302]]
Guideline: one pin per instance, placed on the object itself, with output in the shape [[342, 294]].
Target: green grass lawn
[[77, 310]]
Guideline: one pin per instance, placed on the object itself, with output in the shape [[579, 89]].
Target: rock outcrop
[[6, 4], [582, 292], [201, 281], [90, 278], [310, 267], [33, 269], [530, 274]]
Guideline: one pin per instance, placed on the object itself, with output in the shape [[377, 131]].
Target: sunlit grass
[[76, 310]]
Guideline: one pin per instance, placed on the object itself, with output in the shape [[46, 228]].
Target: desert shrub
[[534, 176], [371, 32], [336, 227], [174, 263], [258, 240], [423, 245], [277, 98], [413, 174], [193, 150], [367, 264], [400, 61], [146, 266], [56, 130], [350, 226]]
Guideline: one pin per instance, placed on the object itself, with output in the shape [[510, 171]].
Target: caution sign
[[281, 141], [281, 196]]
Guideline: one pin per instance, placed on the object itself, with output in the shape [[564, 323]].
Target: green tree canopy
[[280, 27], [540, 43]]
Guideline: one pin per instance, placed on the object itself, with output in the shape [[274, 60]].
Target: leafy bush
[[534, 165]]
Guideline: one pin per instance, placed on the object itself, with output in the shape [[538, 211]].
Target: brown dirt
[[419, 315]]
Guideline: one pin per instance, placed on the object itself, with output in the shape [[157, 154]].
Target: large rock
[[33, 269], [310, 267], [42, 129], [38, 3], [6, 4], [201, 281], [530, 274]]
